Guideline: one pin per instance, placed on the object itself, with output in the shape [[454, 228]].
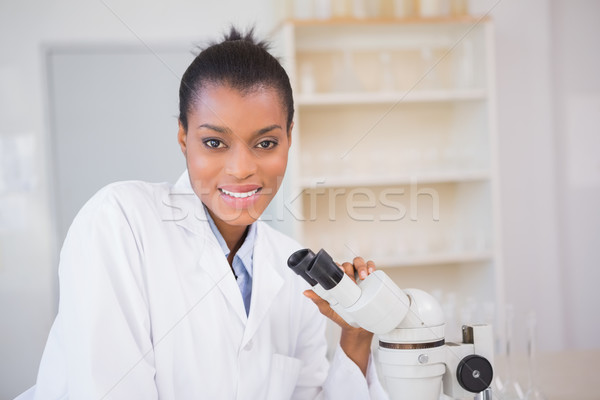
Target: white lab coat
[[149, 309]]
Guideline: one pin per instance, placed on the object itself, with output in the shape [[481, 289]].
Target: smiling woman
[[149, 306], [236, 151]]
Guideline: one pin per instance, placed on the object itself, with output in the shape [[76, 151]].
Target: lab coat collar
[[183, 207], [188, 212]]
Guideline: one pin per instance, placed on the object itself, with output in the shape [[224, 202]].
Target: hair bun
[[236, 35]]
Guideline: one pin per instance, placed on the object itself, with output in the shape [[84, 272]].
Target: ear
[[289, 134], [182, 139]]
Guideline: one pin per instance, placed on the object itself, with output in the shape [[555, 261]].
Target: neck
[[234, 245], [233, 235]]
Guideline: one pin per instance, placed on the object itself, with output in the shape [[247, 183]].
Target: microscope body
[[414, 358]]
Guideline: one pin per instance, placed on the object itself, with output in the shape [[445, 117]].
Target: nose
[[241, 162]]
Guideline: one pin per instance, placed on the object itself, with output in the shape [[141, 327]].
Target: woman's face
[[236, 149]]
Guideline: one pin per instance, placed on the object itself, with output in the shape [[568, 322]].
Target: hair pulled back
[[240, 62]]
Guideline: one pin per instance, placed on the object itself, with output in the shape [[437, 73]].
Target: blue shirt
[[242, 261]]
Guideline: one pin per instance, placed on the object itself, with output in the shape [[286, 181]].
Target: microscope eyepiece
[[316, 268], [325, 271], [299, 262]]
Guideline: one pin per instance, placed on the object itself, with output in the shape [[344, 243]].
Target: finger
[[316, 299], [312, 295], [324, 307], [348, 268], [371, 267], [326, 310], [361, 267]]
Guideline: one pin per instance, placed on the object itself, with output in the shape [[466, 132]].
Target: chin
[[240, 217]]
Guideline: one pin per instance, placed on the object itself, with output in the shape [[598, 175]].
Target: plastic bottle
[[323, 9], [430, 8], [459, 8], [303, 9], [404, 8], [359, 8]]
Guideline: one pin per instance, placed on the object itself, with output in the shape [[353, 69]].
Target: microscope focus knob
[[474, 373]]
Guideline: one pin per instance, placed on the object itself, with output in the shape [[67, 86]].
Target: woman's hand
[[356, 342]]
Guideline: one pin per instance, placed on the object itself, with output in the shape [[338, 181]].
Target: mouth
[[240, 194]]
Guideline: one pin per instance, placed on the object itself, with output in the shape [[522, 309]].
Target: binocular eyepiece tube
[[375, 304], [327, 279], [316, 268]]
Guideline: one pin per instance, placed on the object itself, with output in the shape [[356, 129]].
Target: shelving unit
[[394, 150], [391, 98]]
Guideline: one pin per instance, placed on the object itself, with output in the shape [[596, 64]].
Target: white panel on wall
[[114, 117]]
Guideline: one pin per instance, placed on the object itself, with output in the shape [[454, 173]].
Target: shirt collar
[[245, 253]]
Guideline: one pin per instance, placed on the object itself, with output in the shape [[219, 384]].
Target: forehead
[[220, 103]]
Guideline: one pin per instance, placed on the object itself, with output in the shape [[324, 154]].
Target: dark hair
[[240, 62]]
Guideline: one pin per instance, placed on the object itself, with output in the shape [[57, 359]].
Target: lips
[[240, 197]]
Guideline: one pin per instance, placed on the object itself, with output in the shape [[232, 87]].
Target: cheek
[[275, 167], [202, 168]]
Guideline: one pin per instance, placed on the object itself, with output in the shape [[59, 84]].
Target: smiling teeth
[[239, 195]]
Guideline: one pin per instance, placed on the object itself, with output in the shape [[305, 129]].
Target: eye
[[267, 144], [213, 143]]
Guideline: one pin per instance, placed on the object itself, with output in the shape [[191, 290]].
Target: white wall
[[548, 115], [28, 253], [528, 165], [550, 239], [576, 59]]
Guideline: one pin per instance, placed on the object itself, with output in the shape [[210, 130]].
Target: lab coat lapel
[[266, 282], [213, 261]]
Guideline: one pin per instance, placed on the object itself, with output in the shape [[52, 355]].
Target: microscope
[[415, 360]]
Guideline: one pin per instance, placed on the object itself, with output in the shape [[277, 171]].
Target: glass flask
[[533, 392], [510, 387]]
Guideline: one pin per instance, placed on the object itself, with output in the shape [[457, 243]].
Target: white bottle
[[359, 8], [387, 76], [339, 8], [465, 66], [373, 8], [429, 76], [430, 8], [323, 9], [303, 9], [404, 8], [307, 79]]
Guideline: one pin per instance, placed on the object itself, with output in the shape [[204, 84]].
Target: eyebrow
[[222, 129], [216, 128]]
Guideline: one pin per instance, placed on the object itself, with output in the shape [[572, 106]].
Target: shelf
[[387, 180], [414, 96], [466, 19], [434, 259]]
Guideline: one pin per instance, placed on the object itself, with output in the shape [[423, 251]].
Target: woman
[[178, 292]]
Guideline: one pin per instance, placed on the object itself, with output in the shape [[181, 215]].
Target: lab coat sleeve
[[100, 345], [343, 370], [342, 379]]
